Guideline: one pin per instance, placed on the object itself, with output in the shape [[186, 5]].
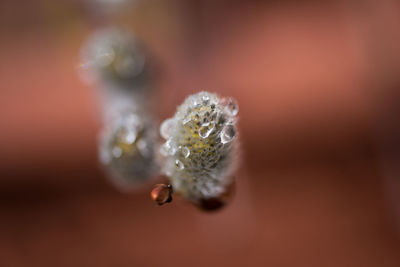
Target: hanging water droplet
[[185, 151], [205, 131], [228, 133], [166, 128], [179, 165]]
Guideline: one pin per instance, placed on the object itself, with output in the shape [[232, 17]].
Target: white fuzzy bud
[[115, 57], [201, 146], [127, 151]]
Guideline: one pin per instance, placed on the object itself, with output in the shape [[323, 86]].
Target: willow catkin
[[126, 151], [115, 57], [201, 146]]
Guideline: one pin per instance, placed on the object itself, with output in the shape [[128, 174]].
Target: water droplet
[[228, 133], [195, 103], [179, 165], [171, 147], [129, 137], [117, 151], [186, 120], [166, 128], [185, 151], [231, 106], [206, 99], [205, 131]]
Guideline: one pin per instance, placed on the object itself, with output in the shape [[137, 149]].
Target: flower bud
[[115, 57], [201, 147], [127, 151]]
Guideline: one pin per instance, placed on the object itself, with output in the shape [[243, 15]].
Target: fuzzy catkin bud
[[127, 151], [115, 57], [201, 145]]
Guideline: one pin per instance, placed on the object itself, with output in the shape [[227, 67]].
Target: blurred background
[[318, 84]]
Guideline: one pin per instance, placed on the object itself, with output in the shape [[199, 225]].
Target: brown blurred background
[[318, 84]]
